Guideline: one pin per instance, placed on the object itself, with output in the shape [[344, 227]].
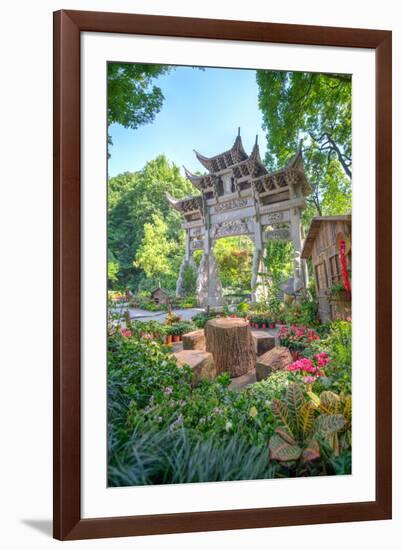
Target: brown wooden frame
[[67, 513]]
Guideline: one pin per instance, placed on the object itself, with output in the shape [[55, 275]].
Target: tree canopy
[[315, 108], [134, 199], [133, 99], [154, 253], [234, 256]]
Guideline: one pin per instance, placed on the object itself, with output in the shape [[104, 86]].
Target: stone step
[[200, 362], [241, 382], [263, 341], [194, 340], [278, 358]]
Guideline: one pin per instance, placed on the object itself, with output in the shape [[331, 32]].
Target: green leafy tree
[[279, 260], [234, 256], [189, 280], [153, 254], [112, 268], [133, 200], [317, 109], [133, 98]]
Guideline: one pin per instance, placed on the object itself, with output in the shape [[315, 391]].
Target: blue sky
[[202, 110]]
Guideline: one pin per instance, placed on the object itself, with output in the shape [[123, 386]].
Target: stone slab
[[278, 358], [194, 340], [241, 382], [200, 362], [263, 341]]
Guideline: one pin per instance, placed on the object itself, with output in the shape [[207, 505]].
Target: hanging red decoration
[[345, 276]]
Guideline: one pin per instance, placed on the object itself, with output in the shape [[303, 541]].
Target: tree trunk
[[231, 344]]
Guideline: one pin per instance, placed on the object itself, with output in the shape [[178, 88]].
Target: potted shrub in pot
[[297, 339], [175, 331]]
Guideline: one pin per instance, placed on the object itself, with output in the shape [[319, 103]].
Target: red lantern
[[345, 276]]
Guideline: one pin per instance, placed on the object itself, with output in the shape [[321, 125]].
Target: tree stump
[[230, 342]]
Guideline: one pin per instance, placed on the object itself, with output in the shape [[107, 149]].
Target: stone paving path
[[144, 315]]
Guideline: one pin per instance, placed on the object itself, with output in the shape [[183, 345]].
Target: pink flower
[[309, 379], [126, 333], [310, 367]]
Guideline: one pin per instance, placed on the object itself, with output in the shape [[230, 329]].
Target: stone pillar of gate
[[300, 267], [209, 287], [185, 263], [188, 261], [258, 284]]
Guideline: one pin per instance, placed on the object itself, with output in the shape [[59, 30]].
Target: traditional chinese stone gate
[[240, 197]]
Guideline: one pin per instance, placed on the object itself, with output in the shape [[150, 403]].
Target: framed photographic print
[[210, 178]]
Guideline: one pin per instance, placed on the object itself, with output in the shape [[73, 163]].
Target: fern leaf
[[347, 409], [286, 435], [329, 424], [314, 398], [306, 418], [294, 400], [283, 451], [280, 411], [329, 402], [312, 451]]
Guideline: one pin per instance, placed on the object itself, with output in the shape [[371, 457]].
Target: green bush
[[179, 328], [273, 387], [242, 308], [187, 302], [162, 429], [161, 456], [149, 394], [200, 319], [338, 344]]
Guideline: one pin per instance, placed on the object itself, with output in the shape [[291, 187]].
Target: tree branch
[[333, 147]]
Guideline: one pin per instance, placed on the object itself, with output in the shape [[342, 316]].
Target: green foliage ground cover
[[162, 429]]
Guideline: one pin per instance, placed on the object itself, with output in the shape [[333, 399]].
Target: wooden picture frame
[[68, 25]]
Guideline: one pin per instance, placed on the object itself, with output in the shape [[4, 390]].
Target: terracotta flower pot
[[295, 354], [272, 325], [168, 339], [176, 338], [264, 325]]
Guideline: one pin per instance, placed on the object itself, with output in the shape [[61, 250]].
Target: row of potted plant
[[262, 320], [153, 330], [297, 339], [175, 331]]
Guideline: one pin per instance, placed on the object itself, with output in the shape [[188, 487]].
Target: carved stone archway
[[238, 196]]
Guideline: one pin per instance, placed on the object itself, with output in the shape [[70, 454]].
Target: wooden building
[[329, 245], [160, 296]]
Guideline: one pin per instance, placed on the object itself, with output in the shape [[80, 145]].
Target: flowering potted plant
[[310, 368], [297, 338]]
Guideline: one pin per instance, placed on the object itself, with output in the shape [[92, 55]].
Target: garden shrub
[[310, 432], [272, 387], [149, 394], [200, 319], [338, 344], [163, 430]]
